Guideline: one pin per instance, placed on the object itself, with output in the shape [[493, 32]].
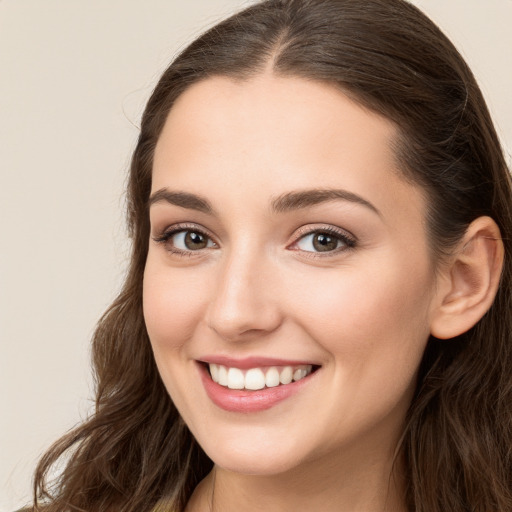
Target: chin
[[253, 458], [255, 465]]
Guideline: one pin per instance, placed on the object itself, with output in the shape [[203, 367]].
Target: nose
[[244, 302]]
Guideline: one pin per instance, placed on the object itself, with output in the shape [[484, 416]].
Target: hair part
[[390, 58]]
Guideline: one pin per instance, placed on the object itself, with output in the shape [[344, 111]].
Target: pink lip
[[251, 362], [234, 400]]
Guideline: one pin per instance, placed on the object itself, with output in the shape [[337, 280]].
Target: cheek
[[374, 326], [173, 305], [370, 321]]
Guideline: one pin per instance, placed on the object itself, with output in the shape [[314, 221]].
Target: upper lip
[[252, 361]]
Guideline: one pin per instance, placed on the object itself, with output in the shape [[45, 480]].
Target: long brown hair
[[135, 450]]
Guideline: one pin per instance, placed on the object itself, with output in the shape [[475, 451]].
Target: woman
[[316, 313]]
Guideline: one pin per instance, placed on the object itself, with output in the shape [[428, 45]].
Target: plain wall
[[74, 76]]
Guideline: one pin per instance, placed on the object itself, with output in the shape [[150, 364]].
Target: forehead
[[274, 134], [271, 111]]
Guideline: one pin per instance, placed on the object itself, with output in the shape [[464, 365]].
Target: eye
[[188, 240], [324, 241], [182, 240]]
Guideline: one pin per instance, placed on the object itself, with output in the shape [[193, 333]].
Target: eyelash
[[166, 236], [346, 238], [343, 236]]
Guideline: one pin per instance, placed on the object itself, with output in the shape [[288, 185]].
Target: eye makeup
[[185, 239], [316, 241]]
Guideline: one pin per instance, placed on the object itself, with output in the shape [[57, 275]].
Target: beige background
[[74, 76]]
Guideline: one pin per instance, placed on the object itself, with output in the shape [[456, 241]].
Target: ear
[[469, 282]]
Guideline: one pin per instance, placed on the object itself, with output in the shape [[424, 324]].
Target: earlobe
[[470, 280]]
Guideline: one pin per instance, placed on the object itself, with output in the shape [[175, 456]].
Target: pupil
[[323, 242], [195, 240]]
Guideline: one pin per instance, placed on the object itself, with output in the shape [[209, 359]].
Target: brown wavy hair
[[135, 451]]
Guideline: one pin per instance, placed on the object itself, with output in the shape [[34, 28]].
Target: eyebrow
[[284, 203], [305, 198], [183, 199]]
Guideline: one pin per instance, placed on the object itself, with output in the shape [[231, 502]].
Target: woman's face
[[284, 244]]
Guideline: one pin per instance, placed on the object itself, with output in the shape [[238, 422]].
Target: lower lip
[[236, 400]]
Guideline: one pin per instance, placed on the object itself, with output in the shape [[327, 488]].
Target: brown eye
[[323, 241], [186, 240], [195, 241]]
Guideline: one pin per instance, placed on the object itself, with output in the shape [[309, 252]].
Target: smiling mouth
[[254, 379]]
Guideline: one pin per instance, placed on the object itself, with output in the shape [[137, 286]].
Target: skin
[[362, 314]]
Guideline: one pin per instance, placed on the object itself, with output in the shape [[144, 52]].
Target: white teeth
[[254, 379], [223, 376], [235, 379], [257, 378], [297, 374], [214, 371], [272, 377], [286, 375]]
